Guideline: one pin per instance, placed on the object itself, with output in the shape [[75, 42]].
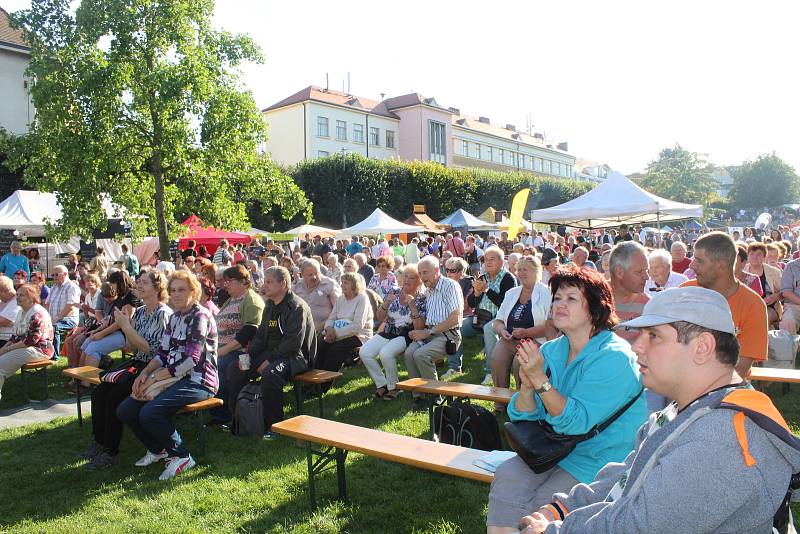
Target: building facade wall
[[285, 134], [16, 107], [357, 137]]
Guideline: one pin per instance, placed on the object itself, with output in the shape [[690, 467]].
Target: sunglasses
[[453, 270]]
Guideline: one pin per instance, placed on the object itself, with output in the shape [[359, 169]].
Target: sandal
[[391, 394], [380, 392]]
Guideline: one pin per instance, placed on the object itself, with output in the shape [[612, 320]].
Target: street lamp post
[[344, 189]]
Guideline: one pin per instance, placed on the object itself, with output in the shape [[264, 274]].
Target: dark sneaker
[[100, 461], [270, 436], [94, 449]]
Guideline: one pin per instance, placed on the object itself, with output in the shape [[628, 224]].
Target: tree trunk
[[160, 205]]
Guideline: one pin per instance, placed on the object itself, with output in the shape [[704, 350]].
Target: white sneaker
[[176, 466], [150, 458], [487, 380], [450, 374]]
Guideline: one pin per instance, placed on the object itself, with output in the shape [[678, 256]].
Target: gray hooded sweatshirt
[[697, 473]]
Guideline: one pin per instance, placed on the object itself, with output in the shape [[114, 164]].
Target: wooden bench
[[769, 374], [337, 439], [34, 368], [92, 375], [451, 390], [313, 381]]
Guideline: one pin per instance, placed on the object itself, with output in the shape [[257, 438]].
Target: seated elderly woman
[[318, 291], [349, 266], [661, 274], [187, 352], [32, 337], [348, 327], [142, 334], [109, 337], [489, 290], [580, 257], [403, 310], [522, 316], [334, 268], [573, 383], [384, 280]]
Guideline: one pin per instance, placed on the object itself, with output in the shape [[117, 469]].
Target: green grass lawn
[[243, 485]]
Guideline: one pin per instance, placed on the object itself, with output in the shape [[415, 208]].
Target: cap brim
[[648, 320]]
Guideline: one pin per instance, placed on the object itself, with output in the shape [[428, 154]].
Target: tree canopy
[[766, 182], [141, 101], [678, 174]]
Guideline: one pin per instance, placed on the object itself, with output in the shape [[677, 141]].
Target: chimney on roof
[[511, 127], [563, 146], [484, 120], [383, 95], [455, 111], [538, 136], [327, 82]]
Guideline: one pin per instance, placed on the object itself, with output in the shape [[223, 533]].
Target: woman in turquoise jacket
[[592, 374]]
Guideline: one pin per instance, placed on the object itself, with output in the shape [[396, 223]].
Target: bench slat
[[207, 404], [457, 389], [38, 364], [769, 374], [87, 373], [317, 376], [438, 457]]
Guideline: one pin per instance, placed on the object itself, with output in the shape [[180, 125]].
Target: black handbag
[[542, 448], [123, 372], [482, 316]]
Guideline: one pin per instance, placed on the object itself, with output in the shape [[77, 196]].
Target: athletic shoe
[[176, 466], [450, 374], [100, 461], [93, 450], [150, 458], [487, 380]]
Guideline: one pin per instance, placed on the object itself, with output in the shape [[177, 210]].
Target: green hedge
[[359, 185]]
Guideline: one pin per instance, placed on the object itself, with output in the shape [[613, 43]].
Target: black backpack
[[460, 423], [248, 413]]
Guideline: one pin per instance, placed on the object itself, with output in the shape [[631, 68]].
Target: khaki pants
[[421, 359], [502, 365], [791, 318], [11, 361]]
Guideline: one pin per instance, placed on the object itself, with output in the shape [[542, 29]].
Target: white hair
[[430, 261], [662, 255], [496, 251], [678, 244]]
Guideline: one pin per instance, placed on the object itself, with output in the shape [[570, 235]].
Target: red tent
[[208, 235]]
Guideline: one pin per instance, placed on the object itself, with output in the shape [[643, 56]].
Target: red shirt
[[681, 266]]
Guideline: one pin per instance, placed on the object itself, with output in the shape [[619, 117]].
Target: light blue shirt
[[9, 264], [601, 379]]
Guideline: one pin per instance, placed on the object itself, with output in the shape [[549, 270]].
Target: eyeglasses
[[453, 271]]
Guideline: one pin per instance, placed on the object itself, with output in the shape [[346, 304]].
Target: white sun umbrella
[[310, 229], [380, 223]]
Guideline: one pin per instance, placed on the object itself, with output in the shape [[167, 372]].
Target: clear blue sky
[[618, 80]]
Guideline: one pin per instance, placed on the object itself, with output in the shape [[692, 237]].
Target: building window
[[465, 148], [341, 130], [358, 133], [489, 154], [322, 126], [556, 168], [501, 156], [322, 154], [389, 138], [437, 142], [547, 166], [374, 134], [537, 164], [478, 151]]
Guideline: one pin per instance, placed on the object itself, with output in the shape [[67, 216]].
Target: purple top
[[189, 346]]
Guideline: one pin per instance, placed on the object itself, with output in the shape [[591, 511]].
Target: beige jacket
[[773, 275]]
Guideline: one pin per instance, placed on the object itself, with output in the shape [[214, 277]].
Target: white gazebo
[[616, 201], [380, 223], [310, 229]]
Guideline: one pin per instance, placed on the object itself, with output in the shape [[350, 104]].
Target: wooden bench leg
[[79, 393], [298, 398], [25, 397], [24, 375], [321, 463]]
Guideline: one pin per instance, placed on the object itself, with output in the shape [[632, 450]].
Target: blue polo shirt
[[9, 264]]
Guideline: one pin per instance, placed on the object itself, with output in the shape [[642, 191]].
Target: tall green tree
[[678, 174], [768, 181], [140, 102]]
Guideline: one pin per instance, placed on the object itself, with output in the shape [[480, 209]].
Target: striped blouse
[[151, 328]]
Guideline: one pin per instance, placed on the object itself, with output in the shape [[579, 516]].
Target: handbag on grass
[[541, 447]]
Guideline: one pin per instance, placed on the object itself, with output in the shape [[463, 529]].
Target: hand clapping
[[531, 362]]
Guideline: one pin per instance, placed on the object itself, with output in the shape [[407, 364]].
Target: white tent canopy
[[310, 229], [380, 223], [29, 211], [616, 201], [464, 219]]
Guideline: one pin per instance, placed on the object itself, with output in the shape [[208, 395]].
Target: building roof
[[11, 36], [515, 136], [337, 98]]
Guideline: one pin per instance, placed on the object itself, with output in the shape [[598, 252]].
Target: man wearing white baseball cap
[[719, 458]]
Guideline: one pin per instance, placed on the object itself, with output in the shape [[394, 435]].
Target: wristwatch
[[546, 386]]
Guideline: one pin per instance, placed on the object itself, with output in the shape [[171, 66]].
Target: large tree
[[766, 182], [678, 174], [140, 102]]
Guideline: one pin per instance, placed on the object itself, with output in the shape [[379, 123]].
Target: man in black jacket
[[285, 345]]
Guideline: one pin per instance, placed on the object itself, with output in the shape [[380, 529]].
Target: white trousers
[[11, 361], [387, 350]]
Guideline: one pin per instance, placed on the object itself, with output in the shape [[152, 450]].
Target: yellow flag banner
[[517, 212]]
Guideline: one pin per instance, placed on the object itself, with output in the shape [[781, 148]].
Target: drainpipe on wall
[[305, 134], [366, 131]]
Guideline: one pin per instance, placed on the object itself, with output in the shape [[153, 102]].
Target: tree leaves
[[680, 175], [766, 182]]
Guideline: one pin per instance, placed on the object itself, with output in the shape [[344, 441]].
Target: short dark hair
[[727, 346], [123, 282], [238, 272], [596, 290], [718, 246]]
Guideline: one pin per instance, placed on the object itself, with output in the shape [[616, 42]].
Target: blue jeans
[[61, 328], [102, 347], [469, 330], [151, 421], [223, 413]]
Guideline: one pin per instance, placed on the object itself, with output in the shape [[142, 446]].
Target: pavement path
[[41, 412]]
